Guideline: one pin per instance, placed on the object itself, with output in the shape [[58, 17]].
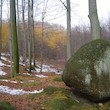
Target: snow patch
[[5, 59], [2, 73], [15, 82], [2, 64], [41, 76], [12, 91], [47, 68], [27, 74], [31, 80]]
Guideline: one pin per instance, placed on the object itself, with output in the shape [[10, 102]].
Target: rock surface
[[87, 72]]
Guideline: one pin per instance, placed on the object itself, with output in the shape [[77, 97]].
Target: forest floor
[[37, 91]]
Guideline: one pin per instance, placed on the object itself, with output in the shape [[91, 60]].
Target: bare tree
[[32, 30], [68, 8], [18, 27], [29, 37], [69, 50], [24, 34]]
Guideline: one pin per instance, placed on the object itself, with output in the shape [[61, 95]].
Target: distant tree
[[69, 49], [29, 38], [94, 21], [18, 27], [24, 34], [32, 31], [68, 9], [15, 52]]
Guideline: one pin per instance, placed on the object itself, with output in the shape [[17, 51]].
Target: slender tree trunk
[[29, 36], [42, 41], [33, 35], [14, 38], [10, 47], [24, 33], [69, 50], [94, 21], [0, 28], [18, 29]]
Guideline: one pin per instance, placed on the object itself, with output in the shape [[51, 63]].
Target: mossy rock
[[87, 72], [6, 106], [61, 104]]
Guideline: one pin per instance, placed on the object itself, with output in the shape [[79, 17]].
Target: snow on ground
[[27, 74], [15, 82], [31, 80], [2, 73], [2, 64], [47, 68], [5, 80], [5, 59], [41, 76], [12, 91], [5, 54]]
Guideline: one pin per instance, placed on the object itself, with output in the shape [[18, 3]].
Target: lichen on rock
[[88, 70]]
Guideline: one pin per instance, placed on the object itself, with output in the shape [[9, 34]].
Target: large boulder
[[87, 72]]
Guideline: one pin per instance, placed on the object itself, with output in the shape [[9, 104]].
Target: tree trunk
[[24, 33], [69, 50], [33, 35], [0, 28], [29, 37], [18, 29], [14, 38], [94, 21], [42, 41]]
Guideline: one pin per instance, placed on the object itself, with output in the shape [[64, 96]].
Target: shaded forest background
[[54, 40]]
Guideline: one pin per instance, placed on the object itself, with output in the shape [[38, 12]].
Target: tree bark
[[24, 34], [29, 37], [18, 29], [33, 35], [14, 38], [69, 50], [94, 21]]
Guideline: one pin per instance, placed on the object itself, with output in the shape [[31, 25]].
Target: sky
[[56, 12], [103, 9], [80, 11]]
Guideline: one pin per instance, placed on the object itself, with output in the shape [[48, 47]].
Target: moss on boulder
[[87, 72]]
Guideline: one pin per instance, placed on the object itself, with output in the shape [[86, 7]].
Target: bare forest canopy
[[55, 38]]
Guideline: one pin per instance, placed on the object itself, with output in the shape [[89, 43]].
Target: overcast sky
[[80, 12], [56, 12]]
